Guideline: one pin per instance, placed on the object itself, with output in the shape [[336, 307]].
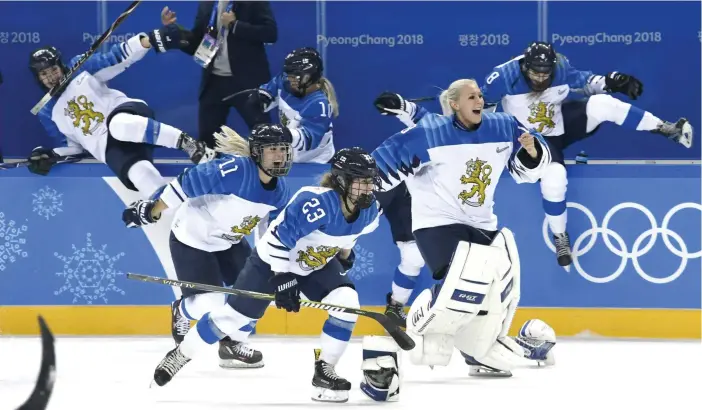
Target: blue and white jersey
[[222, 201], [540, 111], [78, 117], [452, 172], [309, 119], [311, 230]]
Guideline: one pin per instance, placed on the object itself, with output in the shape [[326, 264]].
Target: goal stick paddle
[[83, 58], [41, 394], [400, 337]]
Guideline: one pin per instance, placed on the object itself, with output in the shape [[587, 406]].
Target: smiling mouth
[[477, 111]]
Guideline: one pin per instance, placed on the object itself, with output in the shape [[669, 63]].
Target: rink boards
[[64, 253]]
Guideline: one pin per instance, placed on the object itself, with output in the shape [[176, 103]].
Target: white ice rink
[[114, 373]]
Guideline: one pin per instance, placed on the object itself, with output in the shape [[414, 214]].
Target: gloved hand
[[259, 100], [139, 213], [623, 83], [167, 37], [41, 160], [287, 293], [389, 103]]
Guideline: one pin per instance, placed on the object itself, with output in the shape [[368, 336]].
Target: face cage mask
[[364, 200], [303, 83], [539, 86], [280, 168]]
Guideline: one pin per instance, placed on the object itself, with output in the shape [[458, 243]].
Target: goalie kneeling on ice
[[381, 368]]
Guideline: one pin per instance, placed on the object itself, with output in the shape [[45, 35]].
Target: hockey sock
[[554, 183], [602, 107], [145, 177], [403, 284], [336, 334], [135, 128], [195, 306]]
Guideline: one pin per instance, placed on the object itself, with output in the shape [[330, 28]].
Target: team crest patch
[[542, 116], [245, 228], [478, 178], [311, 258], [81, 111]]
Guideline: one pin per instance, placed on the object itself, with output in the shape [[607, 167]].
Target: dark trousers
[[574, 129], [210, 268], [438, 244], [213, 112], [256, 276], [397, 208]]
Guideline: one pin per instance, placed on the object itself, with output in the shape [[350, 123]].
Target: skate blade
[[330, 396], [489, 374], [686, 137], [235, 364], [566, 268]]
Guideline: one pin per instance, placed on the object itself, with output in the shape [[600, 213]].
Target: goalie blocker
[[472, 310]]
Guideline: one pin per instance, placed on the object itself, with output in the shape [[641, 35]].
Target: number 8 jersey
[[311, 230]]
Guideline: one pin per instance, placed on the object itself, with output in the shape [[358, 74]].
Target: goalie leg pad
[[433, 349], [381, 368]]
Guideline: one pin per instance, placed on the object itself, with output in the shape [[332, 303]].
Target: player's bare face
[[470, 104], [51, 76]]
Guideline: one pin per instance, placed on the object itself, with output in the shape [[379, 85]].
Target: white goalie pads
[[473, 309]]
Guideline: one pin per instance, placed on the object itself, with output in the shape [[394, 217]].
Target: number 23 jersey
[[311, 230]]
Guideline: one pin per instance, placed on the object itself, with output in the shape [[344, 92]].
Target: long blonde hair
[[453, 93], [230, 142], [327, 88]]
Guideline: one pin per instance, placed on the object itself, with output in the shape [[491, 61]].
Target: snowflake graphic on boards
[[89, 273], [11, 242], [47, 202], [363, 265]]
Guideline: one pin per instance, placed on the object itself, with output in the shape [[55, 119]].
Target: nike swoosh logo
[[561, 92], [501, 149]]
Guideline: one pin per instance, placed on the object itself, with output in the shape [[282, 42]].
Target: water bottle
[[581, 158]]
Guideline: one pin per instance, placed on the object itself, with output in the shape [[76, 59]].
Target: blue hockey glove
[[167, 38], [139, 214], [287, 293]]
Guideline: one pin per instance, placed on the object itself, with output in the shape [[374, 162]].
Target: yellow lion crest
[[477, 173], [81, 110], [315, 258], [247, 225], [542, 114]]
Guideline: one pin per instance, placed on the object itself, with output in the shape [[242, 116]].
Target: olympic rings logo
[[622, 251]]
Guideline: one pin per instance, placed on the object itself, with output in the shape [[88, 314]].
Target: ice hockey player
[[306, 103], [218, 204], [307, 248], [566, 105], [117, 130], [475, 264]]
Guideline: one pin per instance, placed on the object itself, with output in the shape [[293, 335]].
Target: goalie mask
[[538, 65], [303, 68], [47, 67], [381, 368]]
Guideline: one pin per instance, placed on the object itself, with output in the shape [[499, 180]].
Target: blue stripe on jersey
[[99, 61], [232, 175], [45, 115]]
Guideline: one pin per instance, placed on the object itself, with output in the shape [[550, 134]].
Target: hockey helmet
[[348, 165], [538, 65], [303, 67], [277, 161], [45, 58]]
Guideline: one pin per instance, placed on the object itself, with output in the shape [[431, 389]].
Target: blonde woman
[[306, 102], [452, 164], [220, 203]]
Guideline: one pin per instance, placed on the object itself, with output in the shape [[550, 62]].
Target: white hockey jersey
[[221, 202], [452, 171], [309, 121], [311, 230], [539, 111], [80, 112]]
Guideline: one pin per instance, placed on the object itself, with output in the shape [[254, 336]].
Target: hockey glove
[[139, 214], [393, 104], [622, 83], [167, 38], [259, 101], [287, 293], [41, 160], [347, 263]]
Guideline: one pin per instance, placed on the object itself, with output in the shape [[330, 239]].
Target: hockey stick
[[39, 398], [66, 159], [400, 337], [420, 99], [83, 58], [229, 97]]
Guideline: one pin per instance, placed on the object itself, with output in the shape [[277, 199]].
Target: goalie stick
[[65, 159], [400, 337], [39, 398], [83, 58], [420, 99]]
